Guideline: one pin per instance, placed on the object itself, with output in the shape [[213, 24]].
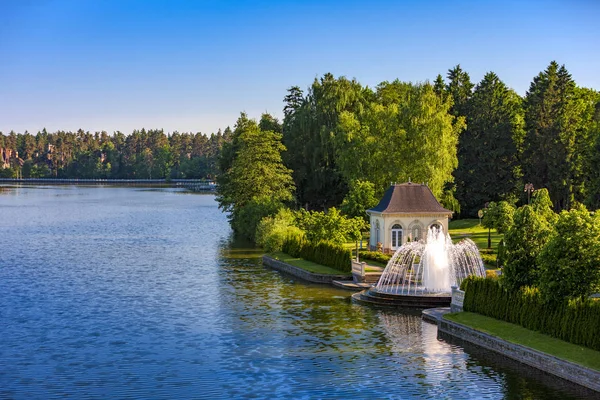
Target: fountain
[[421, 274]]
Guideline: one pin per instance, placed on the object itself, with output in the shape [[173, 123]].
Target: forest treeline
[[143, 154], [472, 143]]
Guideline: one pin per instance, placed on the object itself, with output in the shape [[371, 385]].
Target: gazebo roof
[[409, 198]]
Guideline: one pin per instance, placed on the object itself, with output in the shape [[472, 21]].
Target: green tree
[[330, 226], [309, 130], [252, 171], [488, 166], [407, 134], [553, 118], [570, 261], [523, 242], [360, 198], [498, 216]]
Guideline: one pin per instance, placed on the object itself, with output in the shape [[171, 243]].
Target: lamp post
[[528, 189], [485, 211]]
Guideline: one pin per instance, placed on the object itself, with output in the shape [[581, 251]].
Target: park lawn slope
[[470, 228], [517, 334], [305, 264]]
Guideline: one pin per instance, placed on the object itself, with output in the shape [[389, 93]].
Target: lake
[[143, 293]]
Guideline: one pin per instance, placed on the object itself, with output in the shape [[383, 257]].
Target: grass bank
[[470, 228], [525, 337], [304, 264]]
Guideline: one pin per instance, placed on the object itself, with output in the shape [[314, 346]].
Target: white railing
[[358, 271], [458, 298]]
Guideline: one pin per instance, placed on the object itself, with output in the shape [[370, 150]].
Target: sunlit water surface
[[141, 293]]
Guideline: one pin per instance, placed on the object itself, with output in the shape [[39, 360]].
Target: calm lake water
[[142, 293]]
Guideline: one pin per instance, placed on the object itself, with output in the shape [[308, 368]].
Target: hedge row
[[374, 255], [575, 321], [323, 253]]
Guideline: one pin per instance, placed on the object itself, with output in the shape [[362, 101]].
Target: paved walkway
[[351, 285], [434, 314]]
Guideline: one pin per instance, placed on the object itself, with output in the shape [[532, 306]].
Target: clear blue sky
[[194, 65]]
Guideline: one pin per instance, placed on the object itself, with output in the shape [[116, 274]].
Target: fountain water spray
[[420, 268]]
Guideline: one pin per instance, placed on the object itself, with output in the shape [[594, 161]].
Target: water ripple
[[125, 293]]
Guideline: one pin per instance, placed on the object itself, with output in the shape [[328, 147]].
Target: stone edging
[[564, 369], [300, 273]]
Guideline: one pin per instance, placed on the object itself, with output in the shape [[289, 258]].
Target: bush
[[272, 232], [375, 256], [570, 261], [324, 253], [489, 259], [575, 321]]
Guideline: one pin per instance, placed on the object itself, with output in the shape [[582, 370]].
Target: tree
[[252, 171], [553, 119], [488, 157], [407, 134], [523, 242], [570, 261], [460, 89], [498, 216], [330, 226], [360, 198], [309, 130]]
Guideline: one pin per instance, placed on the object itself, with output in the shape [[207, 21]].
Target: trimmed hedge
[[575, 321], [324, 253], [375, 256]]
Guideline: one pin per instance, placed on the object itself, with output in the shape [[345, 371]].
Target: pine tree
[[488, 167]]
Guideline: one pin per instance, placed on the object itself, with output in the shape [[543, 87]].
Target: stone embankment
[[303, 274], [569, 371]]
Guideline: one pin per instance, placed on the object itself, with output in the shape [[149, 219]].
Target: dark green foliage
[[324, 253], [244, 220], [144, 154], [570, 261], [375, 256], [488, 167], [576, 321], [557, 134], [309, 130]]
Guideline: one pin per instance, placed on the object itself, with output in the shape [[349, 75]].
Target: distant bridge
[[196, 185]]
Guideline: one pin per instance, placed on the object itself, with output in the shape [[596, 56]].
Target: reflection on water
[[124, 292]]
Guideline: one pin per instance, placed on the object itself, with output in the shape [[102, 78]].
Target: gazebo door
[[396, 237]]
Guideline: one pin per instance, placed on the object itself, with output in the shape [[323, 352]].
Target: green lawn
[[470, 228], [305, 265], [535, 340]]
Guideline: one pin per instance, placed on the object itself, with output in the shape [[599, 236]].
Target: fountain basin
[[421, 300]]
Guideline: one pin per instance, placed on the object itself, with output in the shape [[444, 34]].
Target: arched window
[[377, 233], [396, 237], [437, 226], [416, 231]]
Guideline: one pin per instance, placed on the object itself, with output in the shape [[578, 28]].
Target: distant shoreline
[[191, 184]]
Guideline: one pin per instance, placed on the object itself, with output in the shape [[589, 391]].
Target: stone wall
[[302, 274], [545, 362]]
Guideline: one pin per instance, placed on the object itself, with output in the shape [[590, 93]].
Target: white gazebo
[[405, 212]]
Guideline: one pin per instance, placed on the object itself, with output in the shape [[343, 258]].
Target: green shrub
[[272, 232], [489, 259], [575, 321], [324, 253], [374, 256]]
